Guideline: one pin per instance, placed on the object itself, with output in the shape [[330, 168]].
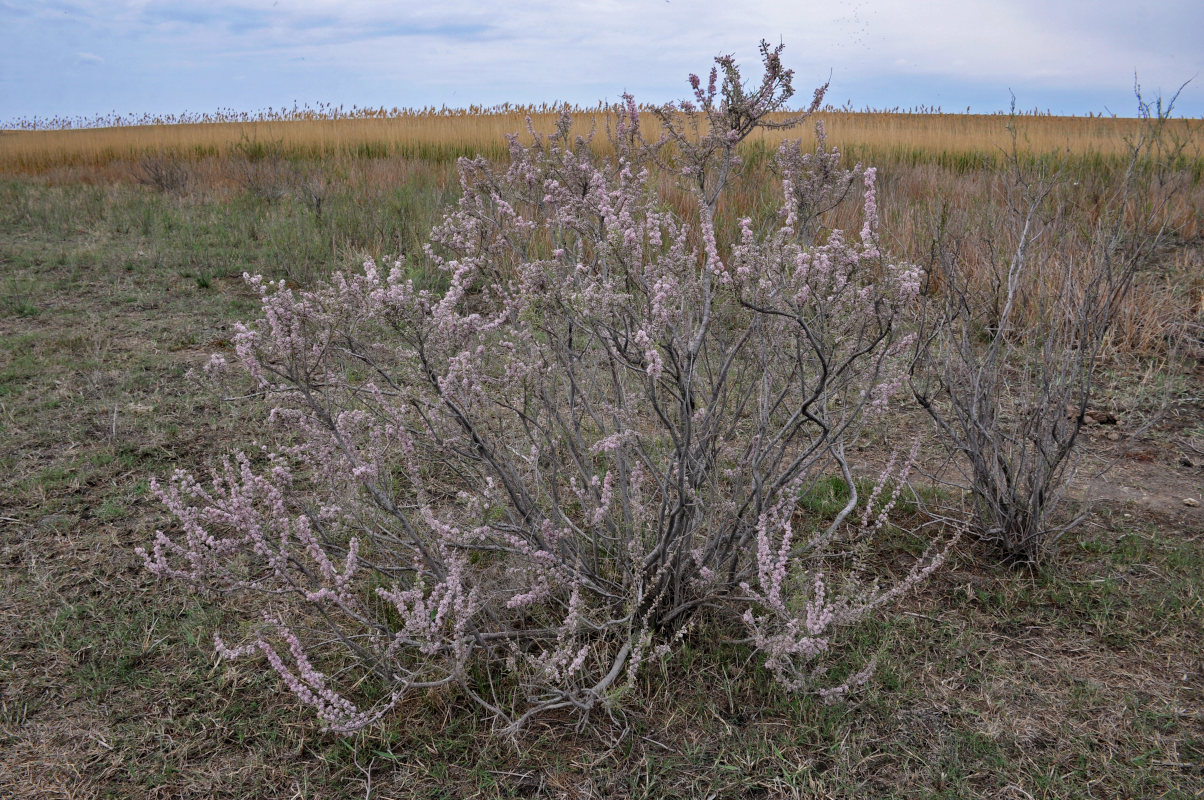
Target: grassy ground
[[1081, 680]]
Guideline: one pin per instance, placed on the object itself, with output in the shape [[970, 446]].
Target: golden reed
[[955, 140]]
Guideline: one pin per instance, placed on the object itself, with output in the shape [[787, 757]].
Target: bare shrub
[[312, 186], [1017, 312], [532, 484], [261, 168], [166, 174]]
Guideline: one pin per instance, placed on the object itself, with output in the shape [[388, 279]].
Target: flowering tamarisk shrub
[[530, 484]]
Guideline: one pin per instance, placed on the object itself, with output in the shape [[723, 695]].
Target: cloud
[[229, 19], [88, 58]]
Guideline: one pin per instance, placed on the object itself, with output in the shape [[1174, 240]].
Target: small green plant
[[23, 308]]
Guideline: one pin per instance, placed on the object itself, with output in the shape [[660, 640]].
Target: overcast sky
[[89, 57]]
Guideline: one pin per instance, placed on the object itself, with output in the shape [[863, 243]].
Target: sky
[[84, 58]]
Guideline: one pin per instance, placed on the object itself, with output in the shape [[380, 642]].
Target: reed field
[[121, 254], [958, 141]]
